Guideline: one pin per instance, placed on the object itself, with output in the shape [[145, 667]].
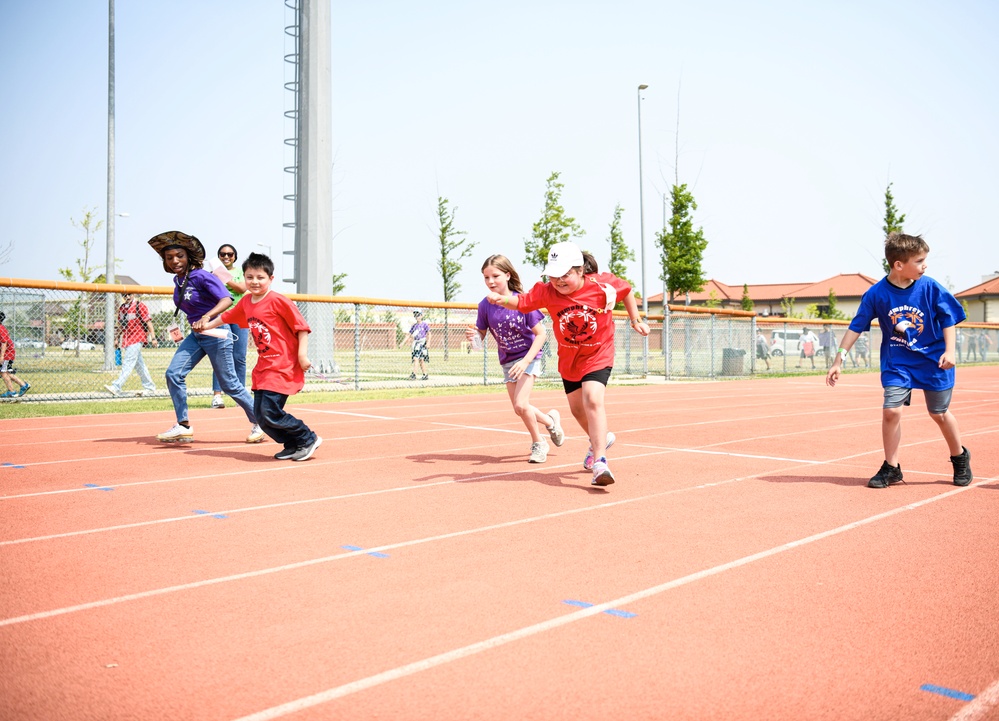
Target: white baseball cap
[[563, 257]]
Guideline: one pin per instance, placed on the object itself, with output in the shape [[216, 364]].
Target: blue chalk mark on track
[[610, 611], [10, 465], [949, 692], [96, 486], [376, 554], [209, 513]]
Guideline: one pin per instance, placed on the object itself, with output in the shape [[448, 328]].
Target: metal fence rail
[[361, 343]]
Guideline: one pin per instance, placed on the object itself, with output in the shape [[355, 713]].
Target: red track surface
[[765, 580]]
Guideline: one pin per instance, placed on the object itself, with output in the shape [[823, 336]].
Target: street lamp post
[[641, 221], [109, 269]]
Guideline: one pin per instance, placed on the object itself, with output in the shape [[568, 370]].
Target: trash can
[[733, 363]]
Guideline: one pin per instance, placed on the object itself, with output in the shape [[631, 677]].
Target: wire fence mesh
[[62, 350]]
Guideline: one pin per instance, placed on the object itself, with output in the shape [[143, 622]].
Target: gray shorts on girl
[[937, 402], [533, 369]]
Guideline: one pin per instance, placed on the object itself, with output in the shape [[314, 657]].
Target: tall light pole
[[109, 269], [641, 222]]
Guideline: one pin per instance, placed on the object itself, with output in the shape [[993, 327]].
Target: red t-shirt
[[583, 326], [274, 323], [8, 353], [132, 319]]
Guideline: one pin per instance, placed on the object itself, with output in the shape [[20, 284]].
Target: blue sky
[[792, 119]]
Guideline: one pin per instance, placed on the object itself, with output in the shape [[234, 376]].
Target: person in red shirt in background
[[579, 300], [281, 336], [7, 353], [134, 328]]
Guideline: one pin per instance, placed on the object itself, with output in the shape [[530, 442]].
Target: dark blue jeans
[[284, 428]]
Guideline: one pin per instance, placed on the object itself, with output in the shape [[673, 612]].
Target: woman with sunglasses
[[237, 289]]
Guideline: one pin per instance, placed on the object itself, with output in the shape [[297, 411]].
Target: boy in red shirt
[[133, 324], [281, 336], [7, 353], [579, 300]]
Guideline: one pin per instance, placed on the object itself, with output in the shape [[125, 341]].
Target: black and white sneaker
[[305, 453], [962, 468], [286, 454], [886, 476]]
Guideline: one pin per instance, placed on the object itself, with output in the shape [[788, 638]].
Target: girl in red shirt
[[579, 300]]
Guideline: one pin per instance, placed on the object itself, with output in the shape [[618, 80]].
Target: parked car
[[28, 343], [73, 344], [784, 342]]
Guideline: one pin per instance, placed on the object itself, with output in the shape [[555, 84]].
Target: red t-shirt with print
[[132, 319], [583, 327], [274, 323], [9, 351]]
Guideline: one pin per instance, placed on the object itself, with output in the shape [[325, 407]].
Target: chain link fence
[[64, 353]]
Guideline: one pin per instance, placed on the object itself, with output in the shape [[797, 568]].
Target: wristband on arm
[[843, 352]]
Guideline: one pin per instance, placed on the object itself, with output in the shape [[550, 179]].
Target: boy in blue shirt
[[917, 316]]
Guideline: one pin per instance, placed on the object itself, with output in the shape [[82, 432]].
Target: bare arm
[[631, 305], [947, 360], [211, 315], [849, 338], [303, 350]]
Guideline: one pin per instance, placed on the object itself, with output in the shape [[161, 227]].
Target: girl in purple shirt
[[519, 339]]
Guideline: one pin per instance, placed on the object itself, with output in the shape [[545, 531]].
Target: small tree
[[682, 247], [787, 305], [553, 227], [747, 302], [339, 283], [78, 315], [454, 247], [619, 252], [893, 221], [713, 300]]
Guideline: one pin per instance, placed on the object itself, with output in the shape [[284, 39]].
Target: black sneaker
[[305, 453], [962, 468], [886, 476], [286, 454]]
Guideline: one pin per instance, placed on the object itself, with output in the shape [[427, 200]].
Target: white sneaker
[[588, 461], [217, 402], [539, 452], [256, 435], [602, 475], [112, 390], [177, 434], [555, 431]]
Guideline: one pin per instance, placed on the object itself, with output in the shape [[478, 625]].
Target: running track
[[418, 568]]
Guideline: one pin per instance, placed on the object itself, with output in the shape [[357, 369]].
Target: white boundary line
[[981, 707], [538, 628]]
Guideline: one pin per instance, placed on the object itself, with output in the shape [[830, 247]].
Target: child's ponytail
[[589, 264]]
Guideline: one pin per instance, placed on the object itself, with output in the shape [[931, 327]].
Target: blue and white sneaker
[[588, 461], [602, 475]]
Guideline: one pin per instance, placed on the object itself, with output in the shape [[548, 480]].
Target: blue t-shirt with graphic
[[510, 328], [911, 360]]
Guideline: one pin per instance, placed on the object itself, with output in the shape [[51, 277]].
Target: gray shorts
[[7, 366], [533, 369], [937, 402]]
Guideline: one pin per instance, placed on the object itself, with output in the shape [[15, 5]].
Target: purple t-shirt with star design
[[510, 328], [202, 293]]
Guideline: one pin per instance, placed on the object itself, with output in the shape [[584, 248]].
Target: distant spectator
[[972, 349], [762, 348], [7, 353], [419, 335], [132, 330], [959, 342], [860, 351], [806, 345], [827, 342], [983, 344]]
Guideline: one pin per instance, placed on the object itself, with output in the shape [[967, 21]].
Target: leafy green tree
[[787, 305], [619, 253], [893, 221], [339, 283], [747, 302], [553, 227], [454, 247], [78, 315], [682, 247], [713, 300]]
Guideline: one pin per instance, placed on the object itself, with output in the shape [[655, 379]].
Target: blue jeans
[[283, 427], [219, 351], [131, 357], [239, 338]]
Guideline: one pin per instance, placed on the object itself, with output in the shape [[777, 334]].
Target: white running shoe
[[555, 431], [539, 452], [602, 475], [177, 434], [588, 461], [112, 390], [217, 402], [256, 435]]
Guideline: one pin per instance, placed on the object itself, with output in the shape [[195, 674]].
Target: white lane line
[[545, 626]]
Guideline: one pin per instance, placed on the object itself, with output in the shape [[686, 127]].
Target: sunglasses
[[227, 255]]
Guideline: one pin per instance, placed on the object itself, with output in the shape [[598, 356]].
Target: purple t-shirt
[[203, 292], [510, 328]]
